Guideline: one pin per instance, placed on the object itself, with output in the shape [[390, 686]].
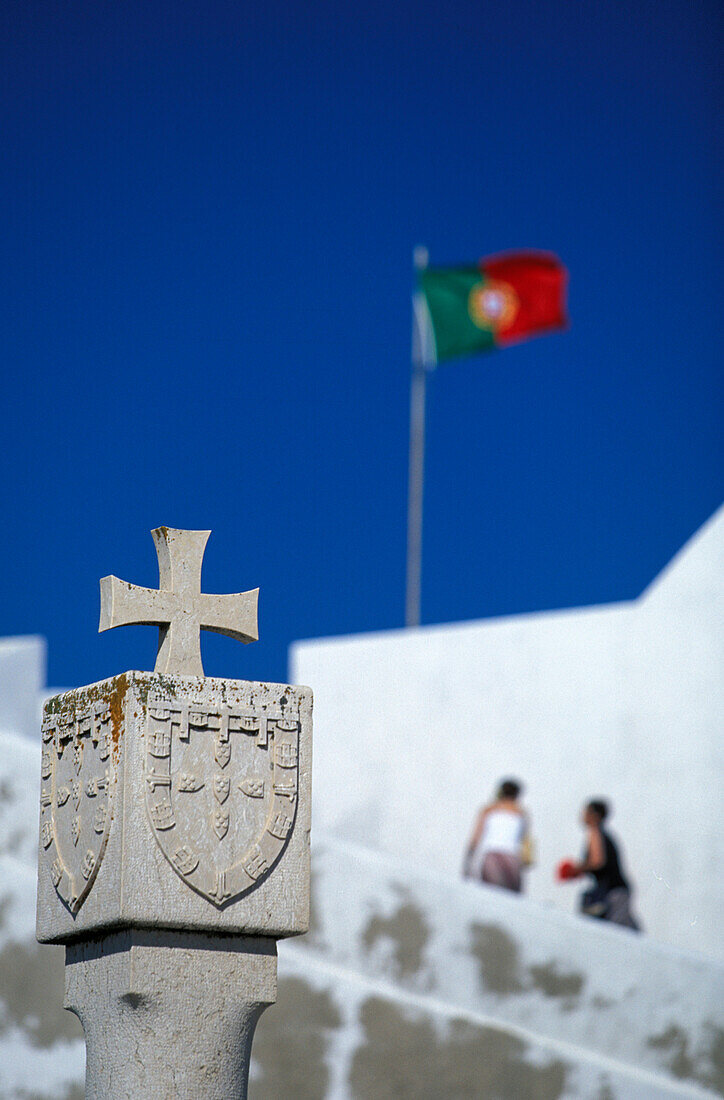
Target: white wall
[[603, 999], [413, 728], [22, 677]]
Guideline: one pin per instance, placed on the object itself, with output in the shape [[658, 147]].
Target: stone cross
[[178, 606], [174, 845]]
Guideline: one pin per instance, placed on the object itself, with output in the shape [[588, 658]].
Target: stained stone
[[174, 844], [175, 802]]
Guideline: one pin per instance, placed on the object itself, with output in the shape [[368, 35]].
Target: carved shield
[[221, 793], [78, 778]]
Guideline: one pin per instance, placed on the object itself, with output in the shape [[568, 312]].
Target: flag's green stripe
[[446, 291]]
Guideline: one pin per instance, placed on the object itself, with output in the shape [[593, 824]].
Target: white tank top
[[503, 832]]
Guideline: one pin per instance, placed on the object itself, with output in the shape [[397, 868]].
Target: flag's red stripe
[[540, 280]]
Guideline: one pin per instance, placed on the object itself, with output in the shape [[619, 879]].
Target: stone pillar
[[174, 845], [169, 1014]]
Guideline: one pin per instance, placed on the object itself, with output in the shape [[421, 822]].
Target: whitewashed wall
[[22, 680], [413, 728]]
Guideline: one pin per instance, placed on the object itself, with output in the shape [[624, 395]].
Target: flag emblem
[[493, 305]]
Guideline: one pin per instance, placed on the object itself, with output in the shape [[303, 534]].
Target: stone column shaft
[[169, 1014]]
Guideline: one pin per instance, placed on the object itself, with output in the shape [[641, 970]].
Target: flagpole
[[418, 387]]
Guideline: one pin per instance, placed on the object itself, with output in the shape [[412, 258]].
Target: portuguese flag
[[496, 302]]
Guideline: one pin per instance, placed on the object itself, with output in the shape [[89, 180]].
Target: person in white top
[[497, 850]]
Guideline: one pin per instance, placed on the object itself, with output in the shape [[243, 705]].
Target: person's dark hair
[[599, 807], [509, 788]]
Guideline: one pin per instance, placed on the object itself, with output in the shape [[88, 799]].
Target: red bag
[[566, 869]]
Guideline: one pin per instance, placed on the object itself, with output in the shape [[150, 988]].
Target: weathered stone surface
[[169, 1014], [175, 802]]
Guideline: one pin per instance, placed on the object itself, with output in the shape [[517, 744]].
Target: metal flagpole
[[421, 362]]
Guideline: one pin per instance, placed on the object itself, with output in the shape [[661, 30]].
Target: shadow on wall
[[31, 996], [32, 984], [408, 932], [291, 1041], [401, 1054], [501, 971]]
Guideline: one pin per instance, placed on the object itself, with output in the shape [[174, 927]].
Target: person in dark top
[[610, 896]]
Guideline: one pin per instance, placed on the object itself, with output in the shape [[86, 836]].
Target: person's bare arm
[[478, 830], [475, 837], [596, 854]]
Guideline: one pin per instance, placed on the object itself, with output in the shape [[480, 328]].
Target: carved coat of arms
[[77, 781], [221, 792]]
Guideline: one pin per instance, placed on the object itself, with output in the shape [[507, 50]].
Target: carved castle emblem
[[221, 792], [77, 781]]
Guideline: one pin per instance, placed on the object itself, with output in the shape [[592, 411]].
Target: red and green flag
[[496, 302]]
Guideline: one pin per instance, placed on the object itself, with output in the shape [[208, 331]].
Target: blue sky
[[209, 214]]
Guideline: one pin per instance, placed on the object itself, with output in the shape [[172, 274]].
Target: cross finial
[[178, 607]]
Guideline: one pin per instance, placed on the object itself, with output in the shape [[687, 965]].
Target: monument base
[[169, 1013]]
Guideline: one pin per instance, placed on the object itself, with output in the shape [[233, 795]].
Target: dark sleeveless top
[[610, 876]]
